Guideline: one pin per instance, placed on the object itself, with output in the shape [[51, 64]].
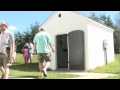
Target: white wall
[[96, 34], [68, 22]]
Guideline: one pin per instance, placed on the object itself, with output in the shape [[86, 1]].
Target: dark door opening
[[76, 50], [62, 51], [70, 51]]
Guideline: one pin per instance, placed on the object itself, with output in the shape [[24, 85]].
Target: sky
[[21, 20]]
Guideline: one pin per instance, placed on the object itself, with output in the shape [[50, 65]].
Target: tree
[[118, 19], [117, 39], [94, 17], [117, 33], [103, 19], [21, 38], [34, 30]]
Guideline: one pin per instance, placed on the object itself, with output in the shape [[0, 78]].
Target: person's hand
[[34, 53], [12, 57], [53, 50]]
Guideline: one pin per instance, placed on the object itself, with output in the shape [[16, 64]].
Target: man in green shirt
[[42, 41]]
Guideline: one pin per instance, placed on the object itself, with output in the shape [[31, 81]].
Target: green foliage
[[21, 38], [118, 19], [112, 67], [117, 33], [103, 19], [117, 39]]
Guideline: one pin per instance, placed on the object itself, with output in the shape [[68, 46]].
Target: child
[[26, 54]]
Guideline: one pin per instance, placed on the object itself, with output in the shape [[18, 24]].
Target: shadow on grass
[[33, 77], [25, 67]]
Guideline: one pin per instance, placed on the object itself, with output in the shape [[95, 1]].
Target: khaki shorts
[[5, 58], [44, 56], [30, 55]]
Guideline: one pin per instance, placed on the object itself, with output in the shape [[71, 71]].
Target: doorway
[[62, 51], [70, 50], [76, 50]]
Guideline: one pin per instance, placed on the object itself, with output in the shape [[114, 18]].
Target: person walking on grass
[[26, 53], [30, 46], [7, 45], [42, 41]]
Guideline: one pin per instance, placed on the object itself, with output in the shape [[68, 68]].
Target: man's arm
[[12, 51], [52, 47], [12, 46]]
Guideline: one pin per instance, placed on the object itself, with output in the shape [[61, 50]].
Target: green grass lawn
[[112, 67], [20, 69], [31, 70]]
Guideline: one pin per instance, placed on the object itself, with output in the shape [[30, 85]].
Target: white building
[[79, 41]]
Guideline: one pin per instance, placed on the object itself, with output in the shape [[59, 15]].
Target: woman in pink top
[[26, 54]]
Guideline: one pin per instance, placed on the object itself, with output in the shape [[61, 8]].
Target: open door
[[76, 50], [62, 51]]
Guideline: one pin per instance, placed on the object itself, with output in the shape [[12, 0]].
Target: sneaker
[[44, 73]]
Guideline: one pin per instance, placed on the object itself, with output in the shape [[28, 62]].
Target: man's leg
[[6, 72], [40, 66], [3, 72], [8, 62], [30, 58], [40, 60], [47, 64], [4, 68], [44, 70], [47, 58]]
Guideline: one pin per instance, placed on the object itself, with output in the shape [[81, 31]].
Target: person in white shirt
[[7, 45], [30, 46]]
